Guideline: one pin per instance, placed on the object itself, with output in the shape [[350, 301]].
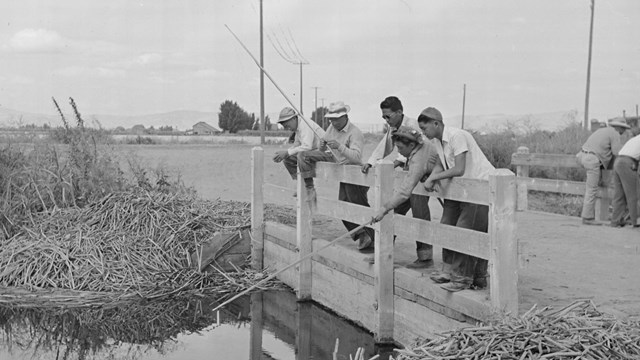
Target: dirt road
[[565, 259]]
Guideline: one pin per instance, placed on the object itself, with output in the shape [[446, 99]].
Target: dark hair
[[392, 103], [425, 119]]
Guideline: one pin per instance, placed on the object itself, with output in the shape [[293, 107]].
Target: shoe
[[440, 278], [420, 264], [295, 194], [370, 259], [616, 225], [455, 286], [591, 222], [364, 241]]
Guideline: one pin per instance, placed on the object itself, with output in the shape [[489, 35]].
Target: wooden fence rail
[[524, 160], [499, 245]]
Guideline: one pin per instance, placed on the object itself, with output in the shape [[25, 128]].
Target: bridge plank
[[462, 240]]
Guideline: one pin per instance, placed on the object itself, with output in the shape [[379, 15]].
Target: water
[[270, 325]]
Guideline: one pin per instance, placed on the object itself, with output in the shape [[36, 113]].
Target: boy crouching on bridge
[[342, 143], [422, 158]]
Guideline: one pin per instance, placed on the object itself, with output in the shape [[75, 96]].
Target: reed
[[577, 331], [125, 245]]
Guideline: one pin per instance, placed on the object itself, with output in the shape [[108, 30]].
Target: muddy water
[[270, 325]]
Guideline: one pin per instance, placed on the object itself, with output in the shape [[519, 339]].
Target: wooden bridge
[[386, 298]]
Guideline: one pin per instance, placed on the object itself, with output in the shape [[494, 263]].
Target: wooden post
[[522, 171], [303, 331], [503, 264], [257, 208], [303, 238], [255, 336], [383, 267]]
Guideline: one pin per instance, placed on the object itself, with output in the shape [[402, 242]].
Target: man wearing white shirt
[[392, 113], [461, 157], [625, 180], [307, 137]]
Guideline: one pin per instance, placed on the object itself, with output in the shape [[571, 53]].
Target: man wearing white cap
[[596, 154]]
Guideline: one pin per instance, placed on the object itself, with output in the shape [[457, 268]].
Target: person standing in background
[[596, 154], [625, 183]]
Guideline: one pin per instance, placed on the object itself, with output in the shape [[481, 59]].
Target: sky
[[125, 57]]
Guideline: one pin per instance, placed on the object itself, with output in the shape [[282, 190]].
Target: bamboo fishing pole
[[277, 87], [292, 264]]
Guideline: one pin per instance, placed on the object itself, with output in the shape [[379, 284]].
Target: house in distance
[[202, 128]]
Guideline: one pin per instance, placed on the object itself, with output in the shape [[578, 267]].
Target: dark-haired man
[[460, 156], [392, 113]]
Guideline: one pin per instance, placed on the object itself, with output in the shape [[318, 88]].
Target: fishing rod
[[278, 87], [292, 264]]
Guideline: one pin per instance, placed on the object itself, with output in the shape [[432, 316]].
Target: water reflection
[[270, 325]]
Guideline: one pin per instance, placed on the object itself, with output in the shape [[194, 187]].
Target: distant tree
[[166, 128], [317, 116], [233, 118], [267, 123]]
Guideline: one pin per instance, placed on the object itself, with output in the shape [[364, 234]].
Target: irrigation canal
[[269, 325]]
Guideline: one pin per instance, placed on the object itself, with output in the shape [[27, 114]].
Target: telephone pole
[[315, 102], [586, 102], [323, 124], [464, 97], [262, 120]]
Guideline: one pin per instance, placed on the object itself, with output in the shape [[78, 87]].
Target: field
[[564, 260]]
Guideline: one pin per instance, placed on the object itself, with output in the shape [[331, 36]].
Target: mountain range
[[185, 119]]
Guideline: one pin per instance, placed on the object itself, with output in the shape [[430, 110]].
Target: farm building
[[138, 129], [202, 128]]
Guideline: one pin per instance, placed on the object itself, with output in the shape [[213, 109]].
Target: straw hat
[[619, 122], [337, 109], [286, 114]]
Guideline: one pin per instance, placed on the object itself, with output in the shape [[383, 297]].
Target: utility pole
[[262, 120], [323, 120], [315, 102], [586, 101], [464, 98]]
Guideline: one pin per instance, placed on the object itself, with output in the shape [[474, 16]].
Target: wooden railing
[[524, 160], [499, 245]]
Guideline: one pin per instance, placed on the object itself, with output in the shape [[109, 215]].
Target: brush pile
[[577, 331], [128, 244]]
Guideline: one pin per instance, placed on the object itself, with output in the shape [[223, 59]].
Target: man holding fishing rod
[[421, 158], [342, 143], [392, 113]]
